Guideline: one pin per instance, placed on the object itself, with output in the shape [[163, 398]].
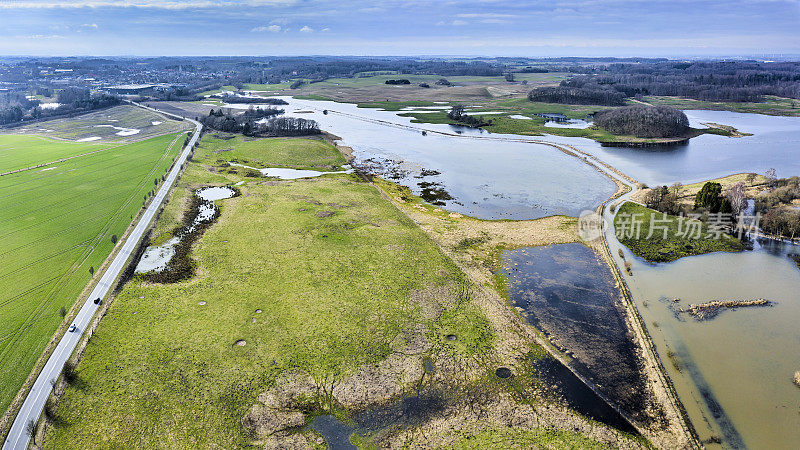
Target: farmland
[[58, 226]]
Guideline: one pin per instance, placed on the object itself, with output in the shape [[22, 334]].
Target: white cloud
[[306, 29], [326, 29], [271, 29], [458, 22]]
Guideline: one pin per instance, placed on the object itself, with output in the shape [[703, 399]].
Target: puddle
[[215, 193], [577, 395], [571, 123], [336, 434], [289, 174], [121, 131], [156, 122], [155, 259], [89, 139], [521, 117]]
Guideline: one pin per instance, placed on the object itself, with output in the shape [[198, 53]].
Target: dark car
[[72, 328], [97, 301]]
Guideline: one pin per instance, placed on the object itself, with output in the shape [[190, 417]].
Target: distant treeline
[[262, 100], [401, 81], [643, 121], [588, 95], [16, 108], [734, 81]]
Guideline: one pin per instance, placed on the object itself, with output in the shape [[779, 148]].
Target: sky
[[393, 27]]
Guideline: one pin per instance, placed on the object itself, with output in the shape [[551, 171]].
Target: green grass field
[[511, 438], [57, 222], [19, 151], [297, 153], [658, 249]]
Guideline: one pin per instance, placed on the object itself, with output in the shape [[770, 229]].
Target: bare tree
[[771, 176], [751, 177], [737, 195]]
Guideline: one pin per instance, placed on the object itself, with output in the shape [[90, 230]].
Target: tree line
[[724, 81]]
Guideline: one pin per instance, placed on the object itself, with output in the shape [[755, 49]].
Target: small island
[[678, 242]]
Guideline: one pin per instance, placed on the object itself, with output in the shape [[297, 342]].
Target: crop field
[[18, 152], [57, 223], [315, 274], [124, 123]]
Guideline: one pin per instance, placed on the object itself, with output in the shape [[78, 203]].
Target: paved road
[[18, 437]]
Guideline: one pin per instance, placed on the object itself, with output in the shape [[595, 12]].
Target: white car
[[72, 328]]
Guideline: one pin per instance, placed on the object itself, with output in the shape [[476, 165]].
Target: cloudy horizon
[[391, 27]]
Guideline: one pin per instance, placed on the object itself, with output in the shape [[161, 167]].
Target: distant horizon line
[[782, 56]]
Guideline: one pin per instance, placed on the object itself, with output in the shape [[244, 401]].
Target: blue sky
[[389, 27]]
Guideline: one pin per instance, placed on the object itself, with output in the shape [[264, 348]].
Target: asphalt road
[[18, 437]]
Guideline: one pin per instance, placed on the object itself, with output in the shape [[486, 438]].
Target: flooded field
[[568, 292], [734, 372], [486, 179]]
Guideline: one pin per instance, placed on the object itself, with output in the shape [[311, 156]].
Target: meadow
[[58, 225], [314, 274], [295, 153]]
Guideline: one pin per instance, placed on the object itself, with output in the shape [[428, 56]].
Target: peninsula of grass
[[58, 225], [657, 249], [295, 153], [318, 274]]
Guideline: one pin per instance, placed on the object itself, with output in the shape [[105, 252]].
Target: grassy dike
[[658, 249]]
